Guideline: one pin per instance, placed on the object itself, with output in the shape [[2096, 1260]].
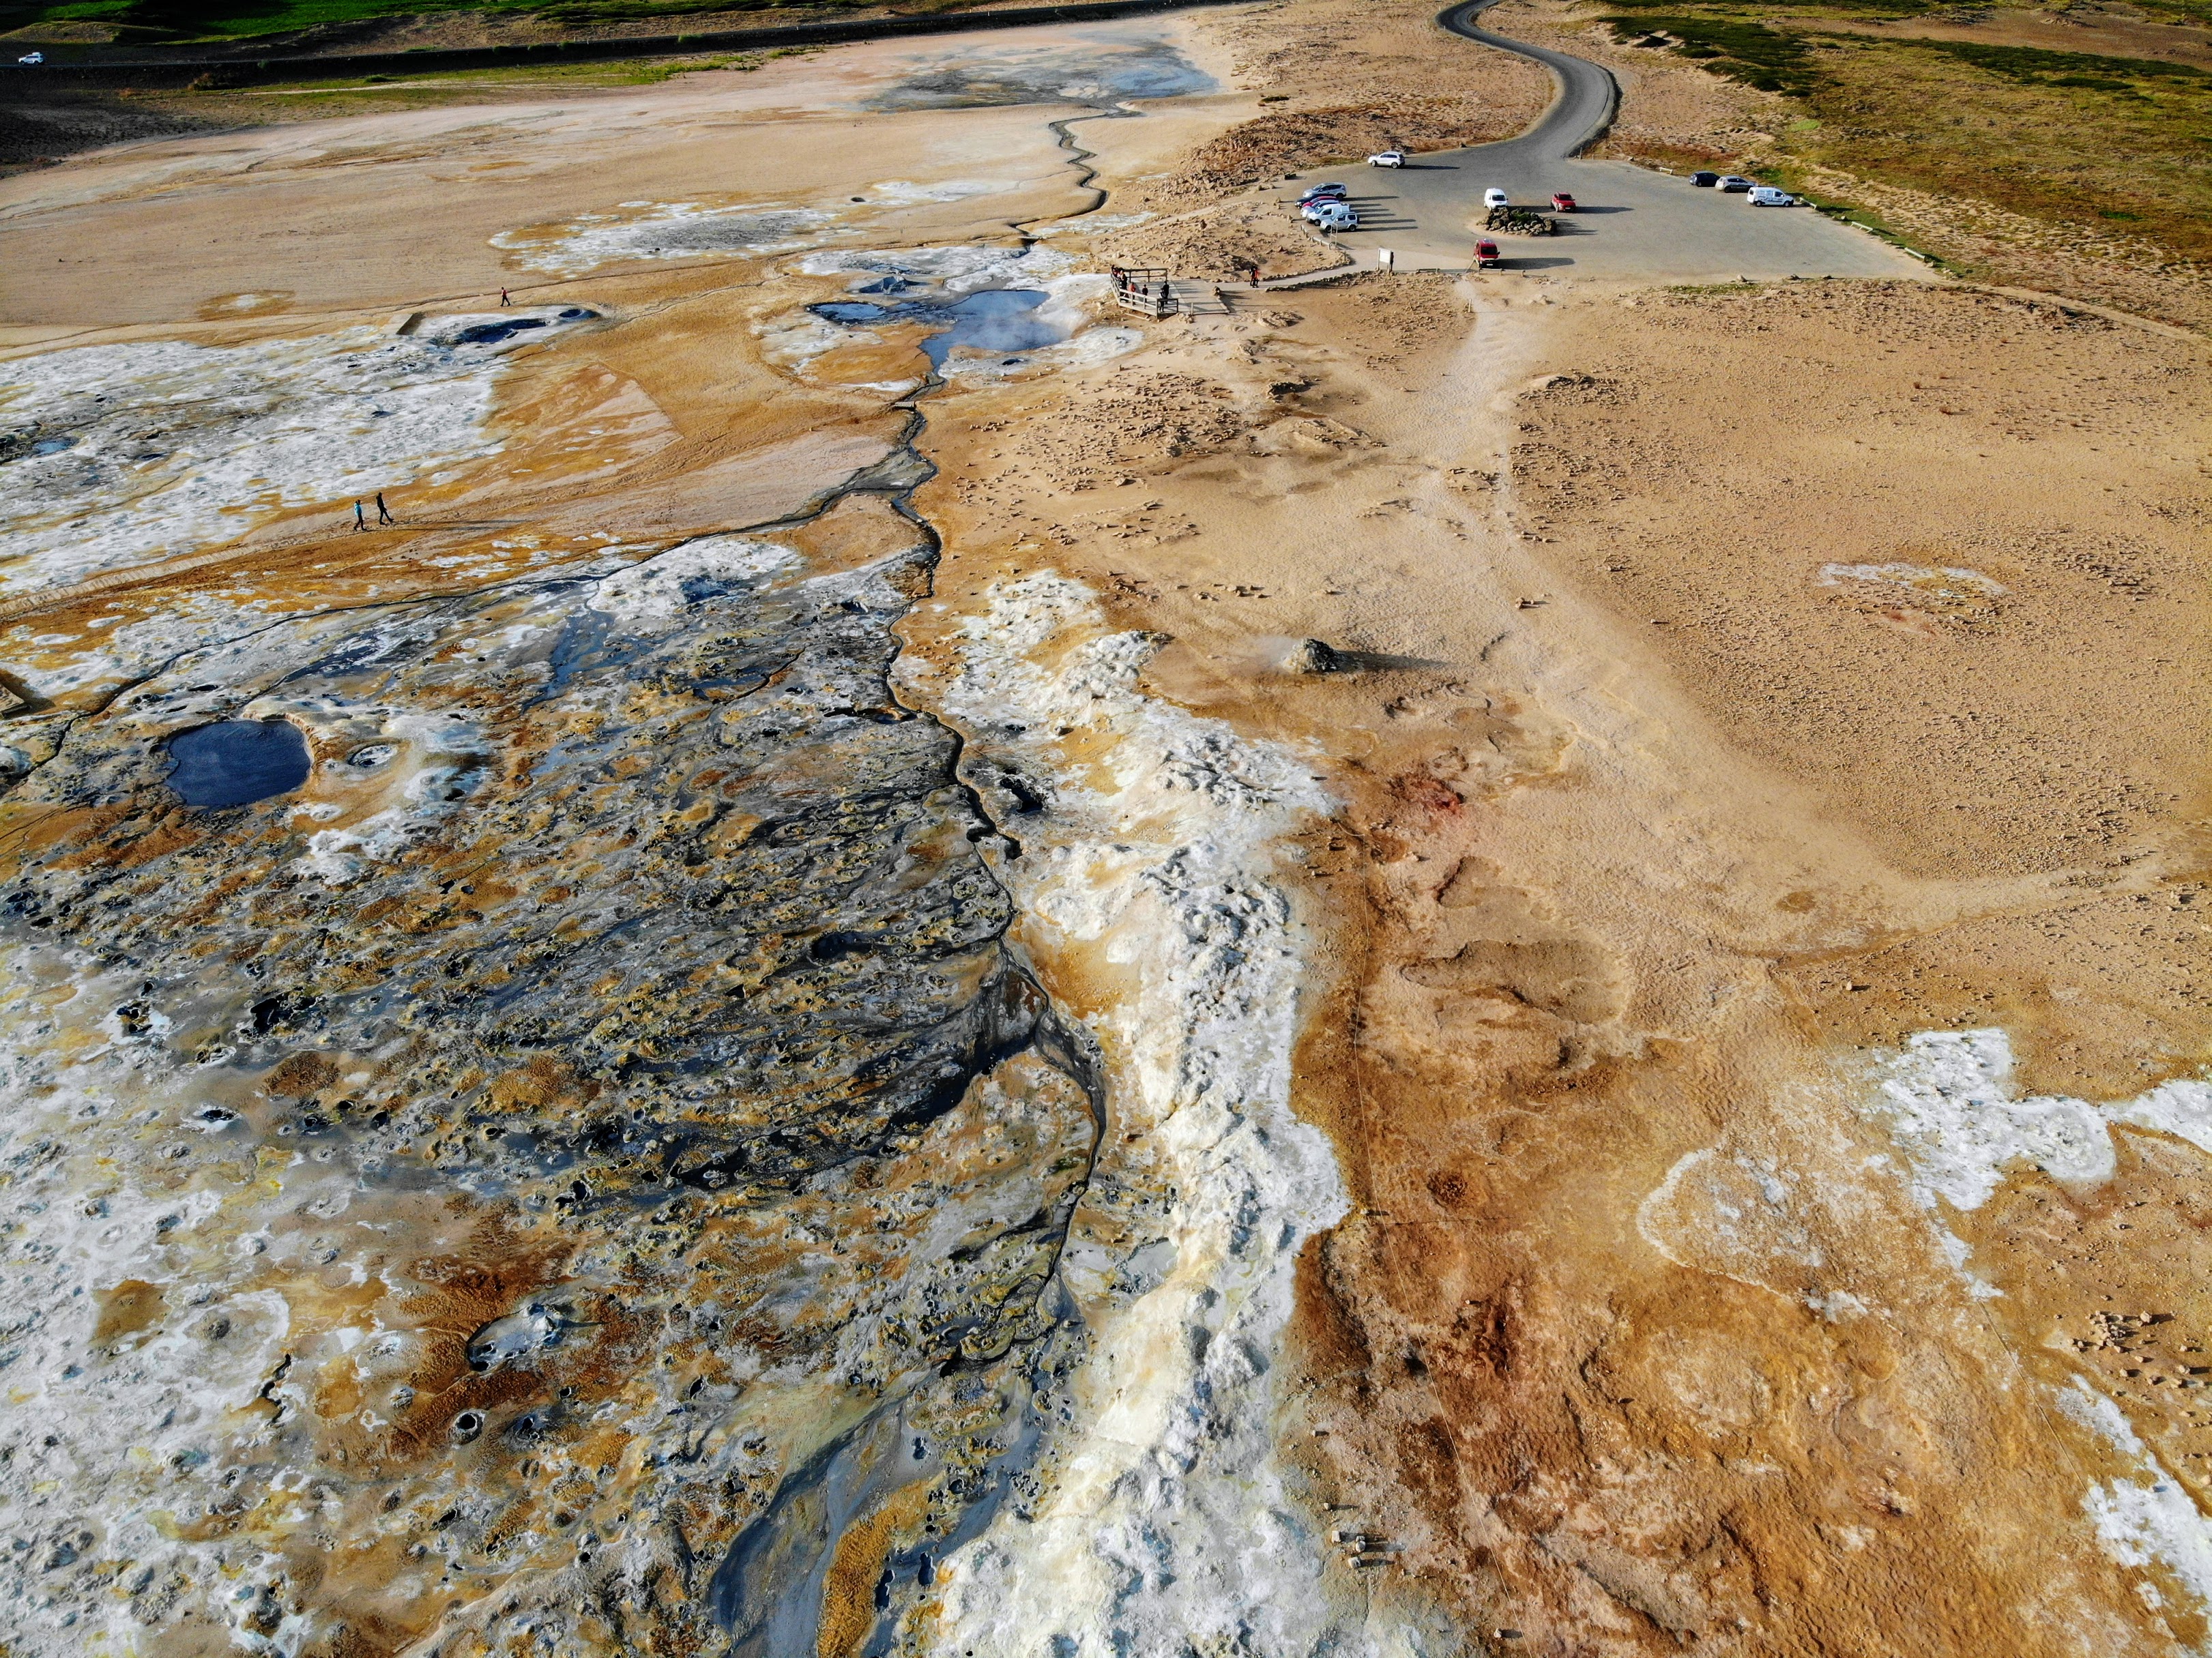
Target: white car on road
[[1494, 196], [32, 58], [1387, 158], [1768, 195]]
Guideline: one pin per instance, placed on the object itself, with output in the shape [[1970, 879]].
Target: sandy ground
[[386, 210], [1608, 895], [1733, 904]]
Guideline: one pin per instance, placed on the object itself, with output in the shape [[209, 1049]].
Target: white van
[[1768, 195], [1494, 196], [1332, 216]]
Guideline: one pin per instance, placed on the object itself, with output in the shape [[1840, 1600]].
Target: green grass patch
[[2035, 67], [2071, 139], [1750, 52], [1766, 11], [2098, 147], [211, 20], [2178, 11], [633, 73]]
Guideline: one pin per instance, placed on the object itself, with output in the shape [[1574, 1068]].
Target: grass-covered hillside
[[152, 20], [2087, 139]]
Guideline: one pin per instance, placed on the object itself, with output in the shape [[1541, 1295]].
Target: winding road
[[1578, 116], [1635, 224]]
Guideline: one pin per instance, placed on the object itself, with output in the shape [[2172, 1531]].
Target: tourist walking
[[503, 299], [383, 513], [360, 522]]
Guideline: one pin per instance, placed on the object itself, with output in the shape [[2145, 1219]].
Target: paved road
[[1636, 224], [1582, 110]]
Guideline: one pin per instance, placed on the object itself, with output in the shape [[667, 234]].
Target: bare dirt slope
[[1628, 1341]]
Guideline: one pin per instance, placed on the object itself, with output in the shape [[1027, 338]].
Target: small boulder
[[1312, 656]]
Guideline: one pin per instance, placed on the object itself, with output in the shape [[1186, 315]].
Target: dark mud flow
[[617, 1008]]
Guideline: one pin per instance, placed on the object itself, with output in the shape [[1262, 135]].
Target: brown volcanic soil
[[1607, 896]]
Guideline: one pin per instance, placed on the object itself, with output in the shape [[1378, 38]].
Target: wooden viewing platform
[[1146, 289]]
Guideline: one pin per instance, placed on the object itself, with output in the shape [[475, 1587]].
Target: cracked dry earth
[[1430, 967]]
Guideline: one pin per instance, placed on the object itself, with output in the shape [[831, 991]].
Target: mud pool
[[234, 762], [991, 319], [1102, 70]]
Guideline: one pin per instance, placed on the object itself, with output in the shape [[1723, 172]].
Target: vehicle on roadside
[[1486, 256], [1494, 196], [1704, 180], [1768, 195], [1562, 203], [1331, 192], [32, 57], [1387, 158], [1732, 185], [1332, 216]]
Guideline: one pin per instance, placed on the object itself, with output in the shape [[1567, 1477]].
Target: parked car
[[1564, 202], [1732, 185], [1704, 180], [1332, 216], [1494, 196], [1331, 192], [1387, 158], [1486, 256], [32, 58], [1768, 195]]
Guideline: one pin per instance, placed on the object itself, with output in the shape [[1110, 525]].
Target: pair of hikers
[[383, 513]]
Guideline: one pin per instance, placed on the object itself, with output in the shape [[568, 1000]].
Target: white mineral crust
[[1168, 1527]]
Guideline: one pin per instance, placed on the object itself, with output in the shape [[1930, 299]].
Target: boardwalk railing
[[1147, 290]]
